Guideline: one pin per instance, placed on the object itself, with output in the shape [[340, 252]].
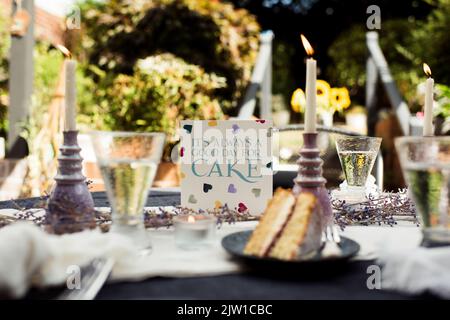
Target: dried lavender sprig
[[29, 214], [388, 209], [163, 218]]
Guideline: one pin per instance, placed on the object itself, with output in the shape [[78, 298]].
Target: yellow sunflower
[[323, 92], [339, 98], [298, 100]]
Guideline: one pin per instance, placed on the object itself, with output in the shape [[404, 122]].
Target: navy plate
[[235, 243]]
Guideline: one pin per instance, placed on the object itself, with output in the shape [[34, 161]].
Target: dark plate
[[234, 244]]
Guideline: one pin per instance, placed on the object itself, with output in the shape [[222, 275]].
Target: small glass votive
[[194, 231]]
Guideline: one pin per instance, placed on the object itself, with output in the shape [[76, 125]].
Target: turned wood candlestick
[[70, 207], [310, 178]]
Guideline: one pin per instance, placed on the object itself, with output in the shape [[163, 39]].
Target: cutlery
[[93, 276], [332, 240]]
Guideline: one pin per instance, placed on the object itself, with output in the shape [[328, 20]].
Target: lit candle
[[428, 109], [70, 98], [311, 75]]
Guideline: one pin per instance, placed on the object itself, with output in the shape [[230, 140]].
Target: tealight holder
[[310, 175], [70, 207], [194, 231]]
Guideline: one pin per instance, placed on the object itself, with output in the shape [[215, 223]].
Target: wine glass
[[128, 162], [357, 156], [425, 162]]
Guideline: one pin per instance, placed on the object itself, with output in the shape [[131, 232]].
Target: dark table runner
[[155, 198], [350, 283]]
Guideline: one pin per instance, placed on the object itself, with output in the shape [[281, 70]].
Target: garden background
[[146, 65]]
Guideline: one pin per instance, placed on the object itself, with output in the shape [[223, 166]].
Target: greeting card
[[226, 162]]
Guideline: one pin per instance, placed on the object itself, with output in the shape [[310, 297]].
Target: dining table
[[348, 283]]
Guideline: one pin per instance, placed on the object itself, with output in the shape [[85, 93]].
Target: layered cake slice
[[271, 223], [302, 234], [290, 227]]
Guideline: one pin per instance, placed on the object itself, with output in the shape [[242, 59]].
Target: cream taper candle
[[310, 113], [311, 78], [71, 95], [428, 108], [70, 98]]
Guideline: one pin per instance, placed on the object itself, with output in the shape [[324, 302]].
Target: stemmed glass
[[425, 162], [128, 162], [357, 156]]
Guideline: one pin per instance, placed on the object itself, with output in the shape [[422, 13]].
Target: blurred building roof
[[48, 26]]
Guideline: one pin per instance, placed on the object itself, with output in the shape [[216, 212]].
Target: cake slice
[[271, 223], [302, 233]]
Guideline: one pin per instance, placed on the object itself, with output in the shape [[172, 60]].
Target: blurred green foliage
[[47, 64], [283, 83], [432, 41], [161, 91], [41, 126], [47, 67], [210, 34], [349, 54], [4, 47], [406, 44], [443, 101], [198, 56]]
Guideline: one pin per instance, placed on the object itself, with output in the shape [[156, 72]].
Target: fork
[[332, 234], [93, 276], [332, 240]]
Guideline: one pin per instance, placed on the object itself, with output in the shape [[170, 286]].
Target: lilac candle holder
[[310, 175], [70, 207]]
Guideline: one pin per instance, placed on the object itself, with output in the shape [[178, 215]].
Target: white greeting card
[[226, 162]]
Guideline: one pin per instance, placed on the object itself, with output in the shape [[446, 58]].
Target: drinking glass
[[128, 162], [425, 162], [357, 156]]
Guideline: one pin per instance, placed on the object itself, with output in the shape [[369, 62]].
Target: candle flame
[[64, 50], [427, 70], [191, 219], [308, 48]]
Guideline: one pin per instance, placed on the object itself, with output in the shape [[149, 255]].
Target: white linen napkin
[[416, 270], [29, 256], [22, 252]]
